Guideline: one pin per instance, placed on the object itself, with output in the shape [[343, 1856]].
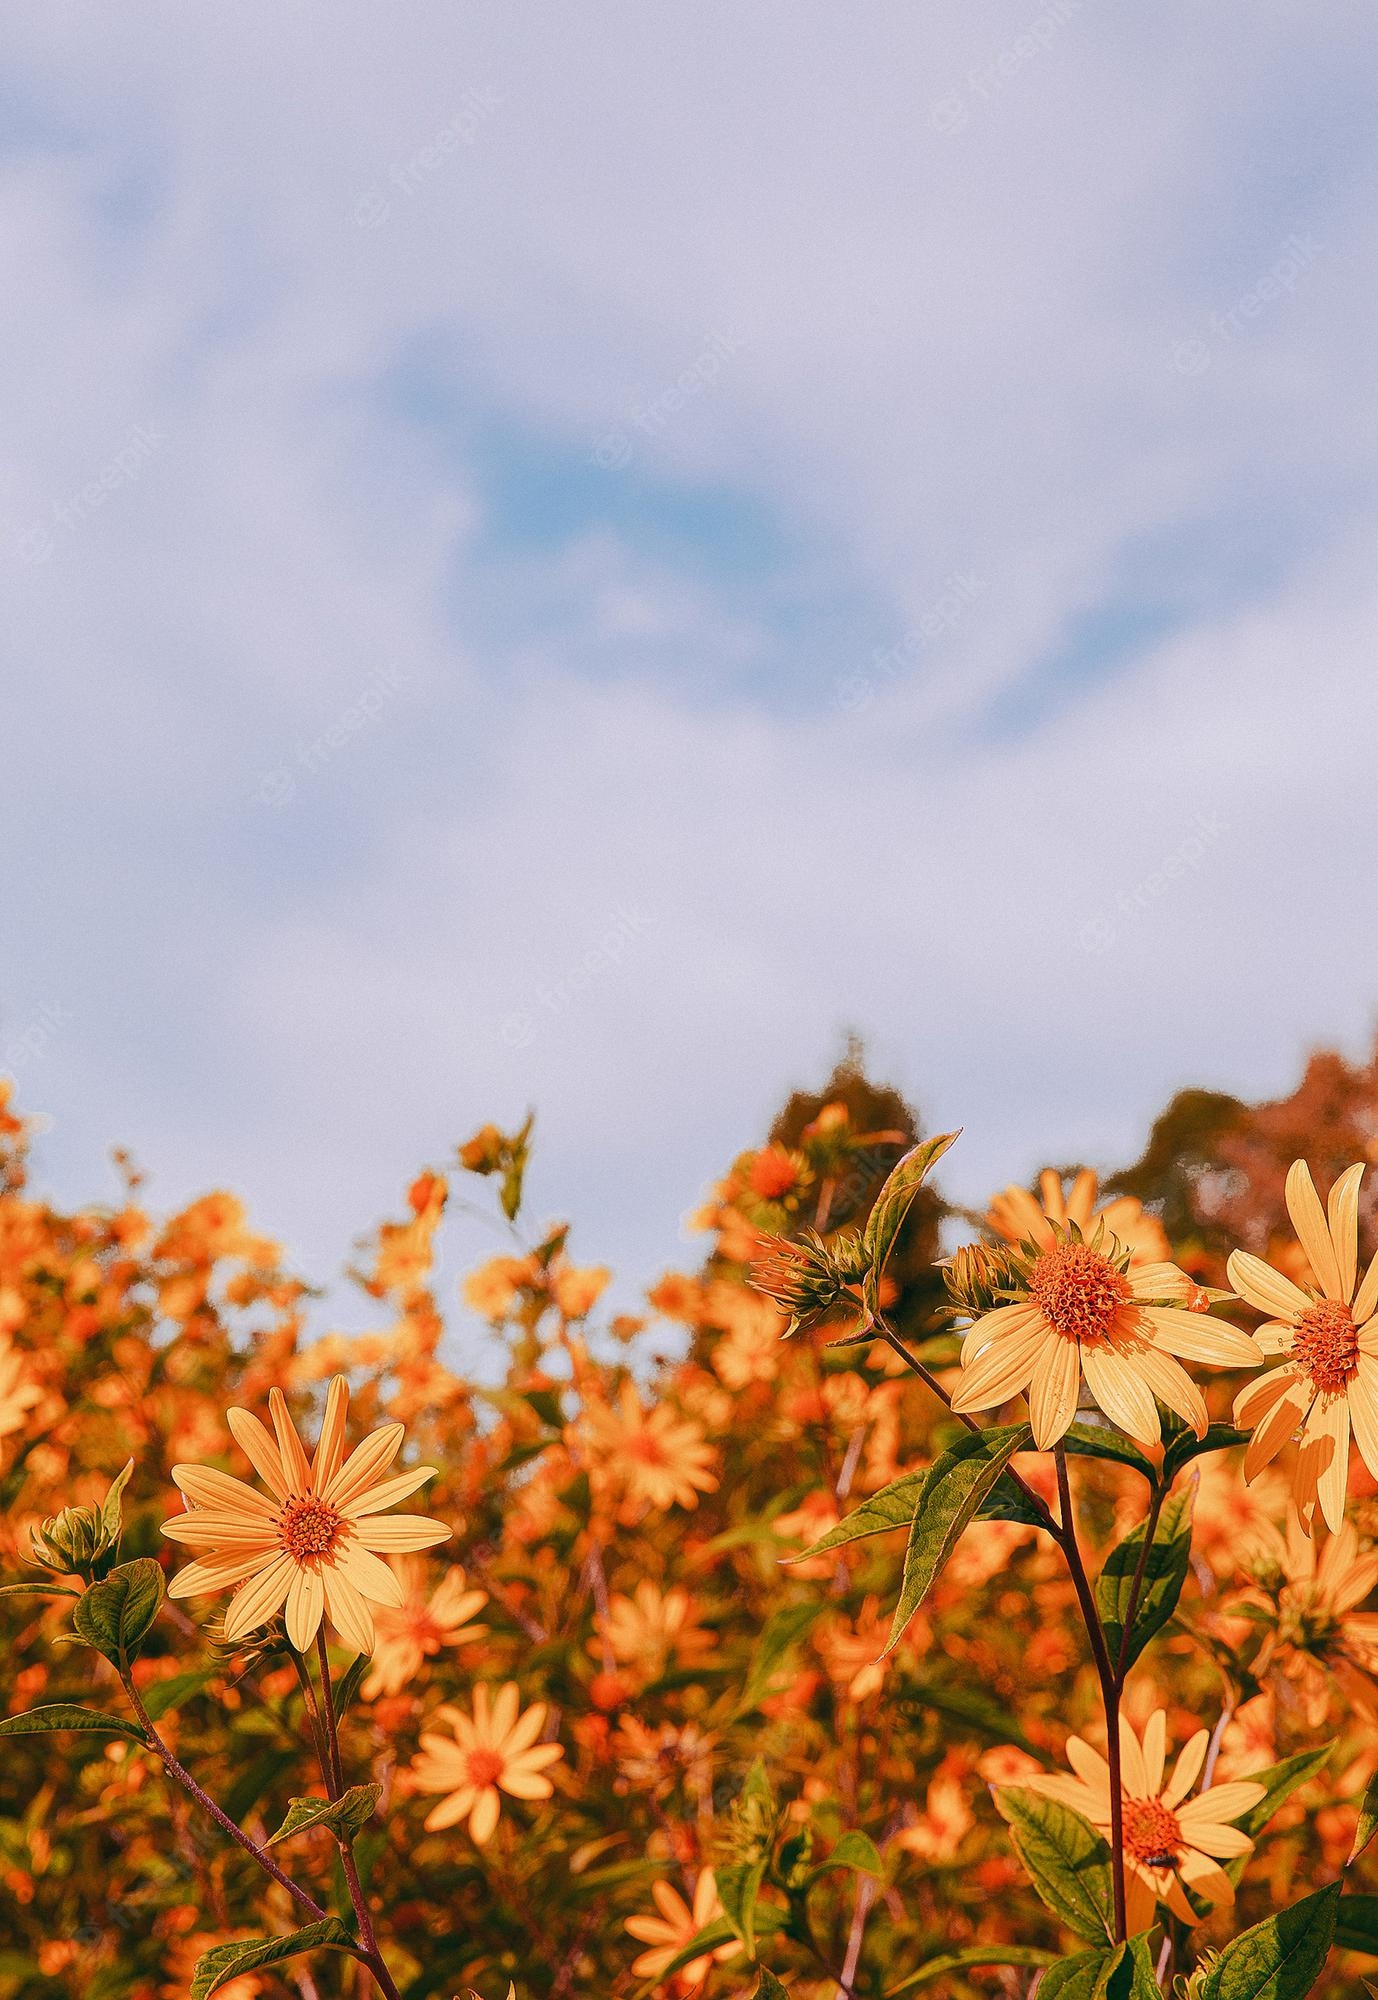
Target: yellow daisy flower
[[494, 1748], [1082, 1309], [660, 1459], [1328, 1384], [1016, 1216], [406, 1637], [315, 1545], [1169, 1839], [676, 1926]]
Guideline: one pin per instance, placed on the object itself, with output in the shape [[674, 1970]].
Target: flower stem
[[183, 1777], [1109, 1685], [344, 1839]]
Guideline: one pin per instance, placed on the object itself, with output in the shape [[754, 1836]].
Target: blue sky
[[573, 559]]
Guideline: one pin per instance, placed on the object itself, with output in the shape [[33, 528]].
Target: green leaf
[[171, 1693], [1164, 1574], [891, 1205], [1076, 1978], [1187, 1446], [347, 1815], [66, 1715], [1103, 1441], [1279, 1782], [720, 1932], [350, 1681], [36, 1590], [216, 1968], [114, 1615], [893, 1507], [1066, 1859], [1123, 1974], [739, 1884], [971, 1955], [769, 1988], [1368, 1819], [1279, 1959], [854, 1850], [112, 1515], [780, 1633], [956, 1484], [1356, 1928]]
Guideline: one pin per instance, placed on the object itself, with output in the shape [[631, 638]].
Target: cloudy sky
[[571, 556]]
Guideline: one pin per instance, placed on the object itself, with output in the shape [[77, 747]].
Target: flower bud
[[978, 1278]]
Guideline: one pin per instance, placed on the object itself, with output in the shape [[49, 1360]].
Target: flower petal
[[258, 1447], [396, 1534], [305, 1607], [1053, 1392], [372, 1578], [1265, 1288], [260, 1600], [349, 1614], [1308, 1219], [1198, 1337], [376, 1498], [217, 1490], [361, 1469], [1342, 1215], [296, 1465], [1121, 1393], [329, 1453]]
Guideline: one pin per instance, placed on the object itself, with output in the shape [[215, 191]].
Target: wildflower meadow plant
[[651, 1702]]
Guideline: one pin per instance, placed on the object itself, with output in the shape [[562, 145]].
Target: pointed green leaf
[[114, 1615], [1356, 1927], [1104, 1441], [1067, 1860], [67, 1715], [969, 1957], [1164, 1574], [1368, 1820], [347, 1815], [891, 1205], [350, 1681], [217, 1968], [36, 1590], [1279, 1959], [892, 1507], [1076, 1978], [854, 1850], [112, 1515], [1279, 1782], [739, 1884], [780, 1633], [769, 1988], [1187, 1446], [956, 1484]]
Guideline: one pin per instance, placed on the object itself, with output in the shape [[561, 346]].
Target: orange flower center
[[1326, 1345], [308, 1527], [1078, 1292], [1152, 1833], [485, 1768], [645, 1448]]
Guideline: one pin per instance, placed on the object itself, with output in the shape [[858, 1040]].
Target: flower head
[[660, 1458], [414, 1631], [494, 1749], [1328, 1383], [1169, 1839], [1018, 1218], [313, 1542], [1084, 1309], [678, 1923]]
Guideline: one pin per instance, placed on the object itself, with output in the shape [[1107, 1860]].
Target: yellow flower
[[1083, 1309], [676, 1926], [1169, 1839], [1015, 1215], [415, 1630], [648, 1628], [494, 1748], [18, 1393], [659, 1458], [1329, 1381], [1319, 1639], [315, 1545]]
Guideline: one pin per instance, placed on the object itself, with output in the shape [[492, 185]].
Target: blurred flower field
[[549, 1684]]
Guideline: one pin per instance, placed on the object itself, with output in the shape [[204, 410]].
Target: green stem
[[344, 1840], [1109, 1686], [1136, 1587]]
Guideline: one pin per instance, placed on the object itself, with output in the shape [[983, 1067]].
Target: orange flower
[[1015, 1215], [1168, 1839], [660, 1459], [1321, 1641], [1082, 1309], [315, 1546], [18, 1393], [1329, 1380], [648, 1628], [577, 1291], [676, 1926], [491, 1289], [494, 1749], [415, 1630]]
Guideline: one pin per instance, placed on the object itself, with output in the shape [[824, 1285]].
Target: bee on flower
[[491, 1751], [314, 1543], [1327, 1386], [1171, 1842], [1079, 1310]]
